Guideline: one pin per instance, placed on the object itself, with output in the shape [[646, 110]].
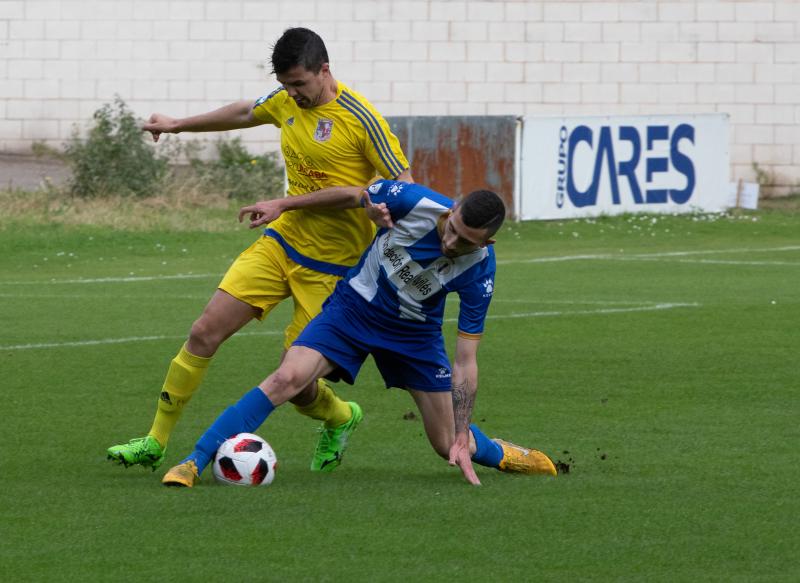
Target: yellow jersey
[[341, 143]]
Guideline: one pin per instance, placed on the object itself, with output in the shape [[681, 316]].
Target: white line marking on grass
[[622, 256], [27, 296], [655, 307], [128, 279], [711, 261], [107, 341], [718, 251], [556, 259], [131, 339], [600, 256], [578, 302]]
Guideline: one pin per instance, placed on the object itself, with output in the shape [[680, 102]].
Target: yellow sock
[[186, 372], [327, 406]]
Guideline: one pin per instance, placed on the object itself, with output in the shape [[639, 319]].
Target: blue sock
[[487, 452], [245, 416]]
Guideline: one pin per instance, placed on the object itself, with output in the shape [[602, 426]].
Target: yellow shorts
[[263, 276]]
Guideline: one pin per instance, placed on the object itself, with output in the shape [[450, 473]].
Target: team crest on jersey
[[396, 188], [488, 286], [324, 130], [290, 121]]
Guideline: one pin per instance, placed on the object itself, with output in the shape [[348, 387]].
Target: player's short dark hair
[[483, 209], [298, 46]]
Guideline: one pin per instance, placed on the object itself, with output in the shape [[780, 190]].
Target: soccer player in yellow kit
[[330, 136]]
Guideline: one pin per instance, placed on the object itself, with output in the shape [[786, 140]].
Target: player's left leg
[[436, 409]]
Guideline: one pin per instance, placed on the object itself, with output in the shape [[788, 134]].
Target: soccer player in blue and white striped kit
[[391, 306]]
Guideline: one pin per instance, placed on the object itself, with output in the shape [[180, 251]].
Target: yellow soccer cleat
[[521, 460], [184, 475]]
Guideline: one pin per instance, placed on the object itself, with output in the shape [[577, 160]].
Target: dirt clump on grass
[[562, 466]]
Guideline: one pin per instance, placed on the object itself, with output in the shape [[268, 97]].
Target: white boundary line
[[710, 261], [598, 256], [656, 307], [131, 339], [577, 302], [623, 257], [127, 279], [23, 295]]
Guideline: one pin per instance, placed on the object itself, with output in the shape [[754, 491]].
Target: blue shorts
[[406, 358]]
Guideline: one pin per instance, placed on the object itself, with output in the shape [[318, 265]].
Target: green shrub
[[239, 174], [115, 157]]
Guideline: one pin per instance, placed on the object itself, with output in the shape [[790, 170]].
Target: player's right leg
[[254, 284], [299, 369], [223, 316]]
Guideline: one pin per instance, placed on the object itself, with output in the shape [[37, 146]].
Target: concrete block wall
[[61, 59]]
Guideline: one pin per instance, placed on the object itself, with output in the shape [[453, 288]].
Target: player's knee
[[441, 447], [286, 383], [203, 337]]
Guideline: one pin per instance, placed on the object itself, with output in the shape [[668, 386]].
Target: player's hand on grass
[[459, 456], [377, 213], [159, 124], [262, 212]]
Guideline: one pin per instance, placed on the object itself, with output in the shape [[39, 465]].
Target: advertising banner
[[573, 167]]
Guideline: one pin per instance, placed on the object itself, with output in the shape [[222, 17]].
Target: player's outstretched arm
[[334, 197], [233, 116], [465, 388]]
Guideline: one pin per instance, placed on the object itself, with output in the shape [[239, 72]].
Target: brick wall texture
[[61, 60]]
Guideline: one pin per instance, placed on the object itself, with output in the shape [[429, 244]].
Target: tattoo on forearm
[[463, 401]]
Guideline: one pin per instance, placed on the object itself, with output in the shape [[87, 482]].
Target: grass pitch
[[657, 356]]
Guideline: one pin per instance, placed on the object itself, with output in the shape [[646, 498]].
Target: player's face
[[305, 87], [458, 238]]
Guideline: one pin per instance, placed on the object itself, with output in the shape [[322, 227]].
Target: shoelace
[[140, 448], [324, 439]]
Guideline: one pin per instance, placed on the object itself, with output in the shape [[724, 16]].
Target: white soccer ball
[[245, 460]]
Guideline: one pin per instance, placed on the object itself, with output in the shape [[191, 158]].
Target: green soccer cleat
[[333, 442], [143, 451]]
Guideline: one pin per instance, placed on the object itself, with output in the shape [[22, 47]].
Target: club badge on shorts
[[323, 131]]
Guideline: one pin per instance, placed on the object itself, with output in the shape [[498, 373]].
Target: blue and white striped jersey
[[404, 275]]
